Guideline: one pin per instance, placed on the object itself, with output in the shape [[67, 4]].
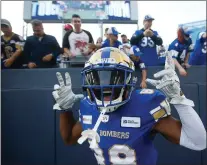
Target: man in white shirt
[[75, 41]]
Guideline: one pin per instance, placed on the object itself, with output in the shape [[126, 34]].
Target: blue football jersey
[[182, 49], [125, 134], [148, 48], [198, 56], [106, 43]]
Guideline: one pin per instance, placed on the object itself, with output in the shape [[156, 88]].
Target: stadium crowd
[[145, 47]]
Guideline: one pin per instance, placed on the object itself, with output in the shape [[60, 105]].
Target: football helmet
[[108, 79]]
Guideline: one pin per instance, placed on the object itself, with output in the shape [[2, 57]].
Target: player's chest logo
[[87, 119], [132, 122], [105, 118]]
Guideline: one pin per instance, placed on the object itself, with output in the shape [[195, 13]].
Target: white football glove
[[92, 134], [170, 83], [63, 94]]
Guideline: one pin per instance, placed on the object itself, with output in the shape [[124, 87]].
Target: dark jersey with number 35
[[147, 46]]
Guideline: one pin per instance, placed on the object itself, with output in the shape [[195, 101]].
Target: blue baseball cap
[[135, 50], [148, 17], [187, 31], [113, 31]]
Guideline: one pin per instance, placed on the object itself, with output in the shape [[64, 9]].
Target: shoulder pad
[[150, 95], [147, 91]]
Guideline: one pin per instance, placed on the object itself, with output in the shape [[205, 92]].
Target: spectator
[[183, 46], [198, 57], [135, 54], [11, 47], [41, 50], [99, 41], [147, 39], [110, 42], [125, 43], [106, 35], [162, 54], [75, 41], [124, 39]]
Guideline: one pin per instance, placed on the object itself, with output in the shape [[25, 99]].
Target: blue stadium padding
[[30, 128], [37, 78], [27, 131], [171, 154], [203, 114], [45, 78]]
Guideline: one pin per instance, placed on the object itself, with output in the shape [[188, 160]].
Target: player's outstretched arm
[[70, 130], [189, 131]]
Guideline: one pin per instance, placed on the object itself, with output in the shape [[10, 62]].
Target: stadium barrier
[[30, 127]]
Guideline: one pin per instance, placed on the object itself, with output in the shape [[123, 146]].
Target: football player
[[198, 57], [117, 120]]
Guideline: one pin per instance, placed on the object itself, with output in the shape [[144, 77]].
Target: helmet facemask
[[108, 87]]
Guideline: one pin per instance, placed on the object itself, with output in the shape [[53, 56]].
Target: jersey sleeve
[[157, 105], [19, 43], [141, 65], [161, 111], [90, 36], [174, 46], [136, 37], [66, 43]]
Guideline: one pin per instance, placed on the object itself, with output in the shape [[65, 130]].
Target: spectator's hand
[[186, 65], [143, 84], [182, 72], [69, 54], [91, 46], [8, 62], [32, 65], [47, 58], [126, 47], [85, 53], [148, 33]]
